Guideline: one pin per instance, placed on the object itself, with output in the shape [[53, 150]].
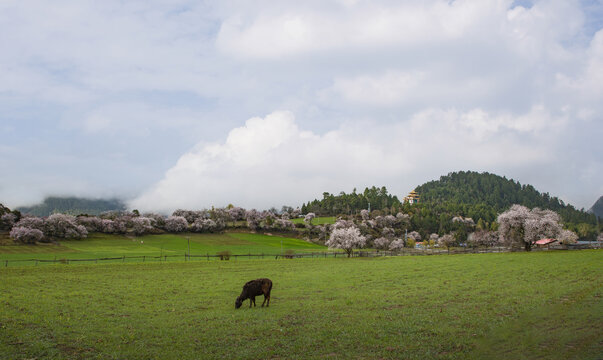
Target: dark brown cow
[[255, 288]]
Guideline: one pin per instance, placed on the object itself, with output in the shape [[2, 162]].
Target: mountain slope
[[495, 192], [72, 205], [597, 208]]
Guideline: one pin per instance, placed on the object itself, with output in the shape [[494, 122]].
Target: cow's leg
[[252, 301], [264, 300]]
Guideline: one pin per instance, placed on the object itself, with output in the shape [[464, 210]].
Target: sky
[[191, 104]]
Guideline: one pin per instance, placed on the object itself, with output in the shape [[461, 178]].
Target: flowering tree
[[308, 218], [382, 243], [403, 220], [237, 213], [347, 239], [64, 226], [483, 238], [342, 224], [157, 220], [204, 225], [447, 241], [388, 232], [31, 222], [176, 224], [365, 214], [269, 218], [190, 215], [567, 237], [295, 213], [283, 224], [415, 236], [26, 235], [522, 226], [91, 223], [396, 245], [7, 221], [141, 225], [253, 219], [467, 221]]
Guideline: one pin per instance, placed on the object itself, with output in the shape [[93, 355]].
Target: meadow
[[510, 305], [320, 220], [99, 245]]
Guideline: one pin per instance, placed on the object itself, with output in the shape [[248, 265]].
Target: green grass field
[[544, 305], [103, 245], [316, 220]]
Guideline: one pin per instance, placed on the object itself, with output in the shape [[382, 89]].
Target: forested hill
[[496, 192], [597, 208], [73, 206]]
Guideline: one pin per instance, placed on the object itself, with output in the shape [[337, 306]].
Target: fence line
[[317, 255]]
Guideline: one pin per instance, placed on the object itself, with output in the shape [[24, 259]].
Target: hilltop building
[[412, 198]]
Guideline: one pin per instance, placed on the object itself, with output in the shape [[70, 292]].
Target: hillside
[[597, 208], [493, 194], [72, 205], [480, 196]]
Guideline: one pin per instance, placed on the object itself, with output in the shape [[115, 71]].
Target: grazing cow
[[255, 288]]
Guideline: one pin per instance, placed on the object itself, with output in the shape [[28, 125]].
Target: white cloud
[[270, 161], [391, 88]]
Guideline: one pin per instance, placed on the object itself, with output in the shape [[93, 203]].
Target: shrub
[[225, 255]]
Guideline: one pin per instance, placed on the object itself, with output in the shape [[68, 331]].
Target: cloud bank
[[270, 161]]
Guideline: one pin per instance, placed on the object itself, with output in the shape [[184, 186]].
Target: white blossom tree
[[447, 241], [308, 218], [7, 221], [31, 222], [567, 237], [141, 225], [283, 224], [397, 245], [64, 226], [382, 243], [237, 213], [253, 218], [204, 225], [26, 235], [176, 224], [364, 213], [190, 215], [522, 226], [482, 238], [157, 220], [347, 239], [415, 236], [91, 223]]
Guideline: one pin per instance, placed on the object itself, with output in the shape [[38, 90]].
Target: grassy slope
[[443, 307], [317, 220], [102, 245]]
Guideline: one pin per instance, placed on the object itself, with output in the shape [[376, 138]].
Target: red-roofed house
[[545, 242]]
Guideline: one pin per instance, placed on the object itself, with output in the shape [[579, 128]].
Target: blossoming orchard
[[517, 227]]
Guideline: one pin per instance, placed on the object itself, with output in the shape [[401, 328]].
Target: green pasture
[[544, 305], [102, 245], [316, 220]]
